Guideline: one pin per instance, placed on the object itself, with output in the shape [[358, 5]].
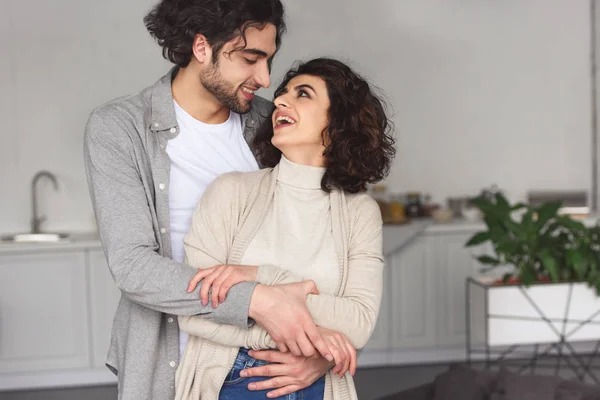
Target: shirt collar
[[163, 111]]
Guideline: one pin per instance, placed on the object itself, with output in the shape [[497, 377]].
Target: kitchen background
[[482, 92]]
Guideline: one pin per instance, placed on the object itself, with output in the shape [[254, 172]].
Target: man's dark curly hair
[[175, 23], [359, 144]]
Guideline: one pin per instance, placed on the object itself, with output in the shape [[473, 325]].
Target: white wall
[[483, 91], [59, 60], [479, 89]]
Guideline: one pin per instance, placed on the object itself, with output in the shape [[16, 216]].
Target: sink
[[35, 238]]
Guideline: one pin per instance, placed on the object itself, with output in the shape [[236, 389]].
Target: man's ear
[[201, 49]]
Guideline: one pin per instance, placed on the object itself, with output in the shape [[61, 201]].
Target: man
[[149, 158]]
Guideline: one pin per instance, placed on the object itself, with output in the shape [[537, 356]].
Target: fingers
[[272, 356], [311, 287], [217, 285], [273, 383], [201, 274], [353, 360], [269, 370], [306, 347], [284, 391], [318, 342], [282, 347], [344, 357], [293, 346], [224, 289], [337, 357], [207, 283]]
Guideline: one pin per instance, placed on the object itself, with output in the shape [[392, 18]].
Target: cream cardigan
[[226, 219]]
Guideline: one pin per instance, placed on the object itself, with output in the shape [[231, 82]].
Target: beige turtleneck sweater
[[232, 212], [296, 231]]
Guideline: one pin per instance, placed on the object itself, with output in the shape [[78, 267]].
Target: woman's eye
[[302, 93]]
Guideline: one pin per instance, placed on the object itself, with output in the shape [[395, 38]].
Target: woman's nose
[[281, 102]]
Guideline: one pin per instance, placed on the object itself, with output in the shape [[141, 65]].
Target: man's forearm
[[160, 283]]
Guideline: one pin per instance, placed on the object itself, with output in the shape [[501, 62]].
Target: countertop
[[76, 241], [395, 237]]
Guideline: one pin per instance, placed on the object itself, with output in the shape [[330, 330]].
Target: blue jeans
[[236, 388]]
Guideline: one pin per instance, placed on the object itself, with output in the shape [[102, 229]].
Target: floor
[[371, 383]]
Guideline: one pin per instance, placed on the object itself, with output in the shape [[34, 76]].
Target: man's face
[[237, 74]]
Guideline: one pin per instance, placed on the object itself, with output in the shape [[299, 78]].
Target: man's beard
[[223, 90]]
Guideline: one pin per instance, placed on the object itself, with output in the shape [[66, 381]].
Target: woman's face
[[300, 118]]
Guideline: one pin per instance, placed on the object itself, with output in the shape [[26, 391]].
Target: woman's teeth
[[283, 120]]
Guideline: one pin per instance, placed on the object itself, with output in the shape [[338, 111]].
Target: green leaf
[[571, 224], [502, 203], [482, 203], [507, 245], [518, 207], [528, 276], [577, 262], [515, 228], [546, 212], [550, 265], [478, 238], [527, 221], [488, 260]]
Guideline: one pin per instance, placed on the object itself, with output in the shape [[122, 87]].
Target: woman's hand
[[287, 373], [344, 354], [220, 278]]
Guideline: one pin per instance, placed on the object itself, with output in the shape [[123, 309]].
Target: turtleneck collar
[[298, 175]]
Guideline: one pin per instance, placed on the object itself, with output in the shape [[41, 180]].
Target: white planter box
[[505, 315]]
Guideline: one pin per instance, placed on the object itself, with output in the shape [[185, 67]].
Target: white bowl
[[471, 214]]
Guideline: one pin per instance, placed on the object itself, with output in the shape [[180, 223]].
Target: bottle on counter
[[396, 208], [414, 205], [428, 206]]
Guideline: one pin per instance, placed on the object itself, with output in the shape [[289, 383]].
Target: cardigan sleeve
[[355, 313]]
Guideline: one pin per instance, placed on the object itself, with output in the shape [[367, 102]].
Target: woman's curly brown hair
[[175, 23], [359, 144]]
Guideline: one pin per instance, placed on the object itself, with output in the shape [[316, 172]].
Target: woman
[[304, 217]]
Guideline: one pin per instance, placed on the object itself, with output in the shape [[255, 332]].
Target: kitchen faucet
[[36, 220]]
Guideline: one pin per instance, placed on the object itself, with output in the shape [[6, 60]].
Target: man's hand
[[289, 375], [281, 310], [343, 352], [221, 278]]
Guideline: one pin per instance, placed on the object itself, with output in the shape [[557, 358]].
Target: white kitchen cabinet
[[104, 298], [412, 296], [453, 264], [43, 312]]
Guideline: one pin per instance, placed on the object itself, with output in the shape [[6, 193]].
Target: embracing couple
[[238, 230]]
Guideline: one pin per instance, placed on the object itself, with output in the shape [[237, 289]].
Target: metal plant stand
[[531, 357]]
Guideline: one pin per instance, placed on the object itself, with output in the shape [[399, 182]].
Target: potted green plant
[[555, 279]]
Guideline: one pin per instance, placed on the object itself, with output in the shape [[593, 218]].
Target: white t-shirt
[[199, 154]]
